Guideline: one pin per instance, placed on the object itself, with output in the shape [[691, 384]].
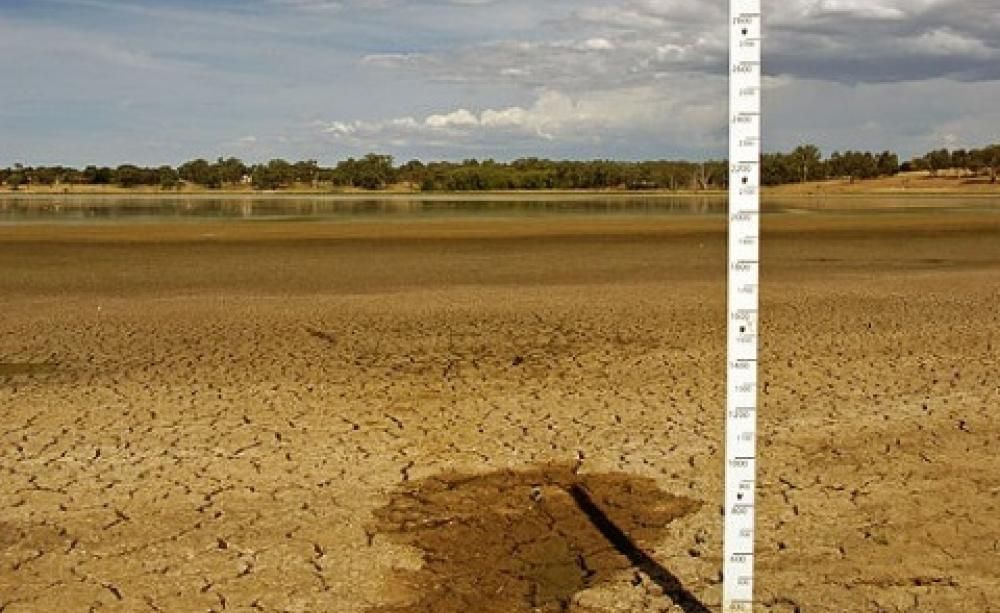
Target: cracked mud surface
[[209, 417]]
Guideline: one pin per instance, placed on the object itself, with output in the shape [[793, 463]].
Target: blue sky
[[109, 81]]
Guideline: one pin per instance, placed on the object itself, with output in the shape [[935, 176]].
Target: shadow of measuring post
[[667, 581]]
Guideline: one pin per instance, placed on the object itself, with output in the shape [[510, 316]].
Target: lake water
[[117, 209]]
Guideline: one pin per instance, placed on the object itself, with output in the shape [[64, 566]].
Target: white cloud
[[456, 119], [689, 114], [320, 6], [947, 42], [864, 9], [580, 64], [597, 44]]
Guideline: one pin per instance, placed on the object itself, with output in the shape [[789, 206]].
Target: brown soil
[[361, 416]]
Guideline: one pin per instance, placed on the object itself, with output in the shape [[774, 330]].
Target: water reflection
[[119, 209], [109, 209]]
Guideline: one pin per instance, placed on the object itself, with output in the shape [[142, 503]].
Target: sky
[[164, 81]]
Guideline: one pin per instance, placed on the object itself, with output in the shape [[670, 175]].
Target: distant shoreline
[[292, 193], [539, 195], [911, 184]]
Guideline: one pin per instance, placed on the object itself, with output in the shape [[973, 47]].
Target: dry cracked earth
[[493, 415]]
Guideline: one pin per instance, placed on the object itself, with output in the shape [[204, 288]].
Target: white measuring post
[[743, 303]]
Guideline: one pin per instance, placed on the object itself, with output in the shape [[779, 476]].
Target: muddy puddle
[[528, 540]]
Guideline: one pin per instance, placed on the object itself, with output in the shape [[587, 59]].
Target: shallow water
[[114, 209], [87, 209]]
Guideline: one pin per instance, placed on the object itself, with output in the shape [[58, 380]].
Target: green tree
[[273, 175], [43, 175], [778, 168], [169, 179], [807, 159], [960, 160], [888, 164], [989, 158], [230, 171], [371, 172], [375, 171], [937, 160], [16, 180], [128, 175], [413, 172], [92, 175], [200, 172], [307, 172]]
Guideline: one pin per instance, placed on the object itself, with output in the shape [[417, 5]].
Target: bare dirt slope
[[525, 415], [908, 183]]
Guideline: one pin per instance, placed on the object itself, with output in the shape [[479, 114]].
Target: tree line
[[806, 163], [971, 162], [374, 172]]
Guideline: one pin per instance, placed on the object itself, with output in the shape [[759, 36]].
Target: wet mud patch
[[25, 369], [527, 540]]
